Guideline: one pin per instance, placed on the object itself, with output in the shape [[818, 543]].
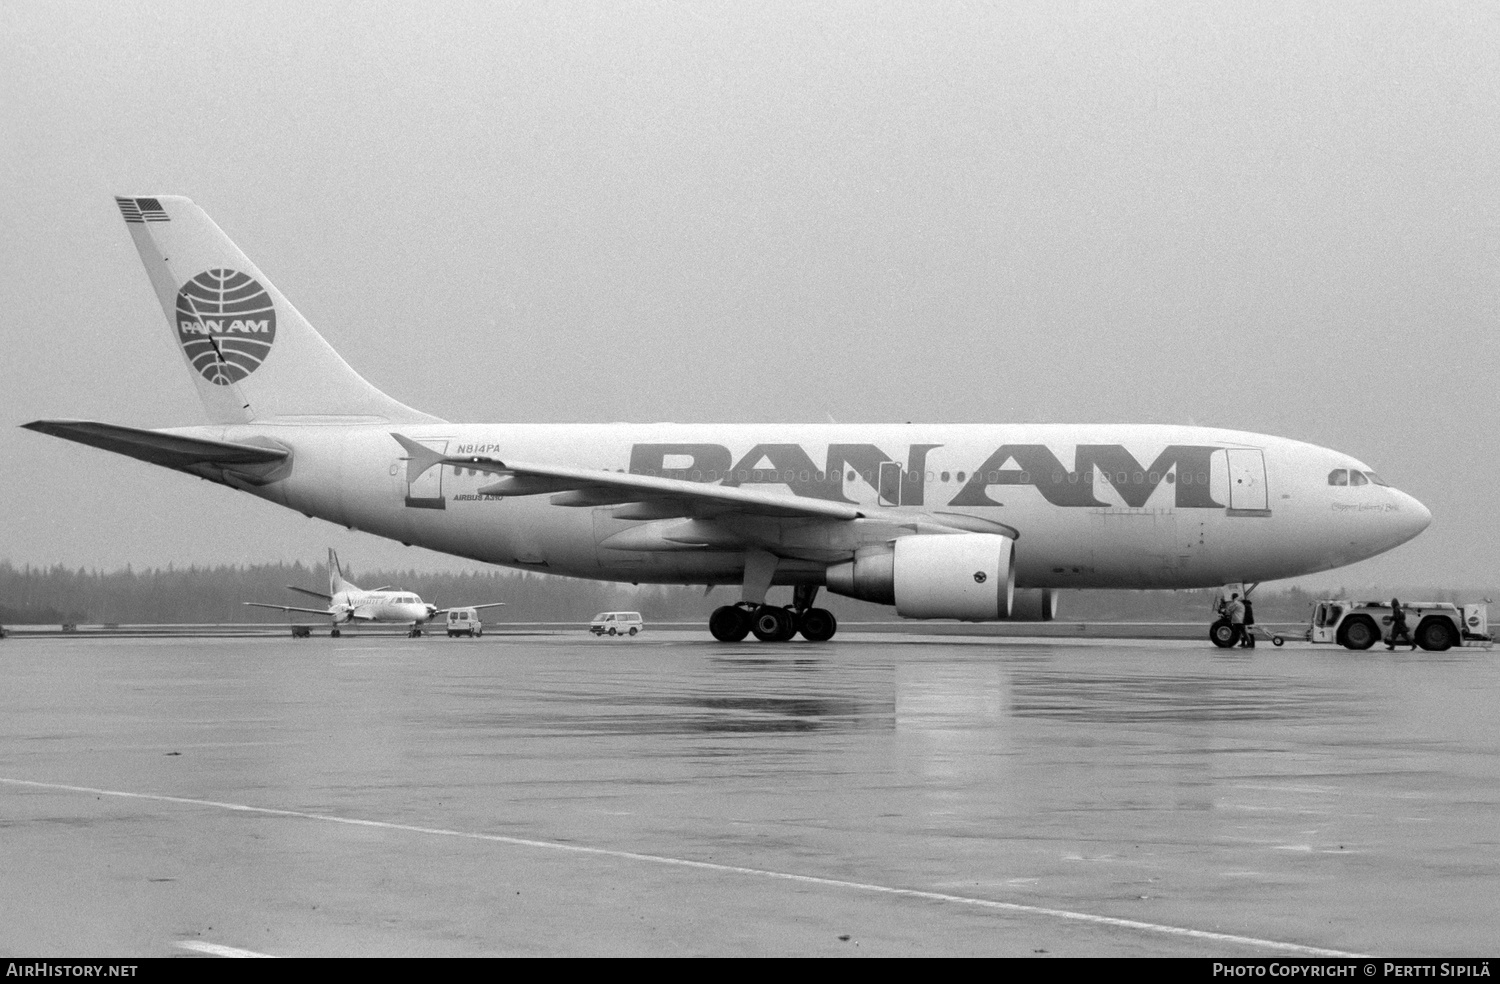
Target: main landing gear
[[772, 623]]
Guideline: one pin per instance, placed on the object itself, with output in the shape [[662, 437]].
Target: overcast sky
[[1280, 217]]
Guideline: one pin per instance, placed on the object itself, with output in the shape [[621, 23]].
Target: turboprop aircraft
[[972, 521], [348, 602]]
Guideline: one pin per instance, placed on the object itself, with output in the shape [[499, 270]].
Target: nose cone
[[1410, 518]]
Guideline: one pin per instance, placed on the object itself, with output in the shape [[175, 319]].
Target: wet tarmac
[[666, 795]]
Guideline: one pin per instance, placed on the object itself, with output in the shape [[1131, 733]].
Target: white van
[[616, 623], [464, 621]]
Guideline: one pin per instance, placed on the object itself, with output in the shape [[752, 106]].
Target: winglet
[[419, 457]]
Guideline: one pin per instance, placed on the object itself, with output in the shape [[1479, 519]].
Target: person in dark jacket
[[1399, 631]]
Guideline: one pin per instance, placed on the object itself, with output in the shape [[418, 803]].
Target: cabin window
[[1339, 476]]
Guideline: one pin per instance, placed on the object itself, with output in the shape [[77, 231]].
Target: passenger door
[[1248, 495]]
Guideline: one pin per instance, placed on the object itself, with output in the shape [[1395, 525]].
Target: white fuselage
[[380, 606], [1123, 506]]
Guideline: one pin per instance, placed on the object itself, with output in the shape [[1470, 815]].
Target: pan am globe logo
[[226, 323]]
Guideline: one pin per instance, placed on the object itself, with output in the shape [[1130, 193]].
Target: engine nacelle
[[966, 576]]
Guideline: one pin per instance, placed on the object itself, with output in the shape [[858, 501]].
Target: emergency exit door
[[1247, 483]]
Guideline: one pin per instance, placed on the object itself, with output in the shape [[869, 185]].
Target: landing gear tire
[[771, 624], [729, 624], [817, 625], [1221, 633], [334, 634], [1277, 640]]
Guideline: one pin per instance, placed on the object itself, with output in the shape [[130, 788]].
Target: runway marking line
[[888, 890], [218, 949]]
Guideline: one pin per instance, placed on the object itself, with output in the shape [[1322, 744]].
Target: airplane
[[348, 602], [972, 522]]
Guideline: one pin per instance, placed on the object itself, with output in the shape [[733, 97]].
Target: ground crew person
[[1399, 631], [1235, 612]]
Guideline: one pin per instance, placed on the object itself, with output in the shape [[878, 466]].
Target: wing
[[309, 591], [683, 515], [290, 608], [255, 464], [596, 487], [444, 611]]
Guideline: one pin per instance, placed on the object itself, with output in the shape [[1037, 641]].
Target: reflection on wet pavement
[[1295, 794], [1105, 697]]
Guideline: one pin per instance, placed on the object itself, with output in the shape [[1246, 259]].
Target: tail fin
[[251, 354], [336, 582]]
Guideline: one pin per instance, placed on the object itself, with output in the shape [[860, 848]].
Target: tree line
[[57, 594]]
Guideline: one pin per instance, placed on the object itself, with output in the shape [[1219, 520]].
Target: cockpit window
[[1339, 476], [1376, 478], [1357, 478]]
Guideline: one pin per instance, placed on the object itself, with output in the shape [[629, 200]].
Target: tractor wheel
[[1358, 633], [1435, 635]]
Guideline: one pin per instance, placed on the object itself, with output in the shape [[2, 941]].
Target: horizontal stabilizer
[[158, 447]]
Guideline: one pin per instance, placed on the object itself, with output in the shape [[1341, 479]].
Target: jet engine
[[966, 576]]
